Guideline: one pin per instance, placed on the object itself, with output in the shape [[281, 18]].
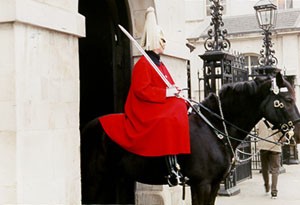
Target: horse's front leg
[[214, 192], [125, 187], [201, 193]]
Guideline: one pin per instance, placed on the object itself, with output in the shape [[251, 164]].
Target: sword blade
[[137, 45]]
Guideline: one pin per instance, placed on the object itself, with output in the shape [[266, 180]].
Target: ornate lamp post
[[221, 67], [216, 40], [266, 13]]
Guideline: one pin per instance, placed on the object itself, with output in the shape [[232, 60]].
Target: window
[[209, 3], [251, 62], [285, 4]]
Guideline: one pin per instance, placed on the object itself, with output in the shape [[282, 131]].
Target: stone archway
[[105, 63], [105, 70]]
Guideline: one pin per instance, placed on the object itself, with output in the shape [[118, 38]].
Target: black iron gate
[[221, 67]]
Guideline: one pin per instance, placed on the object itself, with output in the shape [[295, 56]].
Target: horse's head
[[279, 106]]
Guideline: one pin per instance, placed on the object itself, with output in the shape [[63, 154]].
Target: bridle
[[226, 138], [225, 122], [286, 128]]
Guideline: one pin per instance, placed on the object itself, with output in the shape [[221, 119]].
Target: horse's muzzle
[[296, 121]]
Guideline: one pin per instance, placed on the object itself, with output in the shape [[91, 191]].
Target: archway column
[[171, 19], [39, 102]]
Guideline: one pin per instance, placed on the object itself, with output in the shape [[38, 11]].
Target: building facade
[[246, 37], [64, 62], [39, 100]]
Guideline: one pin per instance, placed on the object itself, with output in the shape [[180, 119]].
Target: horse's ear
[[279, 79]]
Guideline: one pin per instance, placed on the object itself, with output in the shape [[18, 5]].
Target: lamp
[[266, 14]]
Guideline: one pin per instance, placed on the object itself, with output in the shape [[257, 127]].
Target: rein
[[218, 132], [221, 134], [285, 128], [256, 153], [224, 121]]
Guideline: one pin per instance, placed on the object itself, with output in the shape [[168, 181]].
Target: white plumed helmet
[[153, 33]]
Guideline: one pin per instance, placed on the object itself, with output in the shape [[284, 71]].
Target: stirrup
[[176, 178]]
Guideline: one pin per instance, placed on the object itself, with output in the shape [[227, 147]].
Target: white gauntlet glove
[[171, 92]]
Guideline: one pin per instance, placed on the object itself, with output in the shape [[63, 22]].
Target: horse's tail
[[93, 159], [92, 148]]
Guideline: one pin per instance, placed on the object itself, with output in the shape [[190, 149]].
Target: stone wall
[[39, 102], [161, 195], [171, 19], [8, 118]]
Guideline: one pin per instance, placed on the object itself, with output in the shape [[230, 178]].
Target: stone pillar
[[161, 195], [39, 102], [171, 19], [8, 118], [157, 195]]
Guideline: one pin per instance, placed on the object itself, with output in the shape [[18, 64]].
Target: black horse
[[243, 104]]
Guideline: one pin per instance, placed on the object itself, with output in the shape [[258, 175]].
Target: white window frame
[[285, 4], [250, 64]]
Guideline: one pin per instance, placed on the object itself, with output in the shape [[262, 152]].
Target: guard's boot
[[175, 177]]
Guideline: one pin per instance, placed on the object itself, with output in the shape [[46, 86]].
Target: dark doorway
[[105, 70], [105, 58]]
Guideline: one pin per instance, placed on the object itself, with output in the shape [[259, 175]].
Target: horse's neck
[[240, 110], [243, 113], [212, 104]]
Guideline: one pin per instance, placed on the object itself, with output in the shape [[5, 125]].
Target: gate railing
[[221, 67]]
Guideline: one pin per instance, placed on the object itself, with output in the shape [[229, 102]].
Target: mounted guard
[[155, 121]]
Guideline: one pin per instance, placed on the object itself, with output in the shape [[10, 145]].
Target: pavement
[[252, 190]]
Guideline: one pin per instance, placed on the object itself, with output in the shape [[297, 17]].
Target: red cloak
[[152, 125]]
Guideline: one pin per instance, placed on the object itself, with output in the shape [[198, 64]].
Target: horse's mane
[[241, 89], [245, 87], [241, 93]]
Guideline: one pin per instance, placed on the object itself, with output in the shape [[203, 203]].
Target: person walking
[[270, 155], [155, 120]]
